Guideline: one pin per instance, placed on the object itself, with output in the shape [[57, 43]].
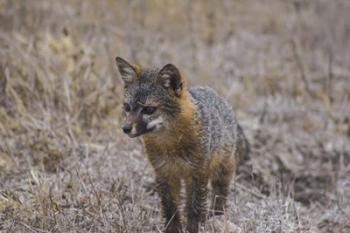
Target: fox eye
[[149, 110], [127, 107]]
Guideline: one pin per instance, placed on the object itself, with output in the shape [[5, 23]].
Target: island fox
[[190, 135]]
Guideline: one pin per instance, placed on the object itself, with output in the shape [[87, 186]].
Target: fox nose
[[127, 128]]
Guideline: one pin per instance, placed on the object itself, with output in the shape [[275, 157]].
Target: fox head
[[151, 97]]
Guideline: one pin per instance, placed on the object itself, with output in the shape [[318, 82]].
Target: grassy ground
[[65, 165]]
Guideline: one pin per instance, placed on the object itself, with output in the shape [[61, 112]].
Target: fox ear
[[127, 71], [169, 76]]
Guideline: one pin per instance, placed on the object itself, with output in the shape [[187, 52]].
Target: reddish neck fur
[[183, 128]]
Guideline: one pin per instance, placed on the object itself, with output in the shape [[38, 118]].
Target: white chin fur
[[155, 123], [133, 130]]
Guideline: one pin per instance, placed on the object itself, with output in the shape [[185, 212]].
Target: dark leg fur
[[168, 191], [220, 183], [221, 179], [197, 191]]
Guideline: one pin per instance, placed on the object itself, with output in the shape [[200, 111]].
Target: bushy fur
[[192, 135]]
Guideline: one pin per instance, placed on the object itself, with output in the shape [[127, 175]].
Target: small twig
[[245, 189], [171, 219], [158, 230], [32, 229]]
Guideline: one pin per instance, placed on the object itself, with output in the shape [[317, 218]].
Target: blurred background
[[65, 165]]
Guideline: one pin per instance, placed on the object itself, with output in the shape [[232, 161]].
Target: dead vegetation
[[65, 166]]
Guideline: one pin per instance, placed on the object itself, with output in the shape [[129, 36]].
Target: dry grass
[[65, 166]]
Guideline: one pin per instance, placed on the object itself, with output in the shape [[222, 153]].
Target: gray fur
[[220, 128]]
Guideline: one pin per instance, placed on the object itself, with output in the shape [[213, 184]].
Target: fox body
[[190, 135]]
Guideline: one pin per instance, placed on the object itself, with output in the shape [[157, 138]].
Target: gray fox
[[190, 135]]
